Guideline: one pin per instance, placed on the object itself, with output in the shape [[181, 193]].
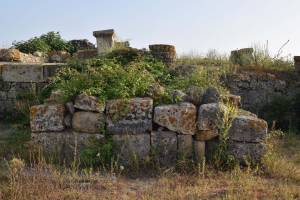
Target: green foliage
[[98, 153], [222, 159], [46, 43], [284, 111]]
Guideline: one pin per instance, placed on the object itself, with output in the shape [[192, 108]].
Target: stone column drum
[[105, 40], [297, 63], [165, 53]]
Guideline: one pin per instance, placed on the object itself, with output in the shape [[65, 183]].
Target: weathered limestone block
[[211, 95], [129, 116], [131, 149], [163, 52], [105, 40], [199, 149], [164, 147], [180, 118], [10, 55], [242, 56], [88, 103], [206, 135], [210, 116], [248, 129], [246, 152], [88, 122], [63, 145], [22, 73], [47, 118], [185, 146]]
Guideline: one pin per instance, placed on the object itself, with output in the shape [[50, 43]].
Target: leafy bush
[[284, 111], [51, 41]]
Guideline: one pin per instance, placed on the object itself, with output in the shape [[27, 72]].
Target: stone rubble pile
[[141, 131]]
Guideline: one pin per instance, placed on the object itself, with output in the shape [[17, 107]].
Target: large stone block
[[246, 152], [64, 146], [47, 118], [180, 118], [88, 103], [185, 146], [164, 147], [88, 122], [132, 116], [132, 149], [22, 73], [248, 129], [210, 116]]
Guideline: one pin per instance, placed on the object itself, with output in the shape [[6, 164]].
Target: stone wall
[[17, 79], [142, 131], [259, 88]]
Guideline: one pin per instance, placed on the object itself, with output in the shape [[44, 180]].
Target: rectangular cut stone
[[47, 118], [246, 153], [199, 149], [180, 118], [131, 149], [185, 146], [132, 116], [64, 146], [88, 122], [248, 129], [164, 147], [210, 116], [22, 73], [105, 40], [49, 70]]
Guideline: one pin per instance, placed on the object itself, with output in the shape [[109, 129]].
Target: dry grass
[[279, 179]]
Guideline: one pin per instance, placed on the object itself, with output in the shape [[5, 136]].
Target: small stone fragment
[[88, 103]]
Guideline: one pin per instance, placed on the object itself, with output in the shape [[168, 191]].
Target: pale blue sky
[[196, 25]]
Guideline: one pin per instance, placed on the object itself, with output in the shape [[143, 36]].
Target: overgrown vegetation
[[46, 43]]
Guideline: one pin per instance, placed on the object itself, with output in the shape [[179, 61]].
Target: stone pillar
[[242, 57], [297, 63], [165, 53], [105, 40]]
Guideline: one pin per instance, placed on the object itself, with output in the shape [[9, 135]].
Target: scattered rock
[[38, 54], [211, 95], [180, 118], [178, 96], [10, 55], [131, 116], [88, 122], [47, 118], [88, 103], [194, 95]]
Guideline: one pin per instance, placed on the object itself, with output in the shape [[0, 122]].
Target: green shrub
[[51, 41]]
